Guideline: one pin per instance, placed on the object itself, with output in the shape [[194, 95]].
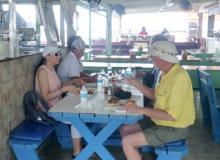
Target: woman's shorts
[[159, 135]]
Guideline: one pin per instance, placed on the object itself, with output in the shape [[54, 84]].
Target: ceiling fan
[[181, 4]]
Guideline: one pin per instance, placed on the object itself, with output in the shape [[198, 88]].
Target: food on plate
[[91, 91], [130, 102], [112, 101]]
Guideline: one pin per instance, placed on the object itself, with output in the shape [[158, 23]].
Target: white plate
[[115, 109], [120, 110]]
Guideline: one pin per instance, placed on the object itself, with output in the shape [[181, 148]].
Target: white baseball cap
[[164, 50], [50, 50]]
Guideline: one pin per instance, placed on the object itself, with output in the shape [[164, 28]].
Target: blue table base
[[96, 141]]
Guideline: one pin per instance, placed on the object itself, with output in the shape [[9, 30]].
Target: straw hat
[[164, 50], [50, 50]]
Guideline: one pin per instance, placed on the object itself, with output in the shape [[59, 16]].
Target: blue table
[[69, 110]]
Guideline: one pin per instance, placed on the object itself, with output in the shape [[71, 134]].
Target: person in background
[[49, 87], [143, 33], [157, 37], [165, 31], [71, 67], [173, 111]]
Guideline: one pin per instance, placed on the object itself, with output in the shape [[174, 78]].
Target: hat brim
[[167, 58], [57, 50]]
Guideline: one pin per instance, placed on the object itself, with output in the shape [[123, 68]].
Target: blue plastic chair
[[207, 89], [175, 150], [27, 137], [204, 99]]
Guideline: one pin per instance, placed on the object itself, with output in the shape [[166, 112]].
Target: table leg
[[95, 143]]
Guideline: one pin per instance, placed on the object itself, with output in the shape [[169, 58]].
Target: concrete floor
[[200, 144]]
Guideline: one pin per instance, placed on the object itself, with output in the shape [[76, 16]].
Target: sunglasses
[[56, 54]]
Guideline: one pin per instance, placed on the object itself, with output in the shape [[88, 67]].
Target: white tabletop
[[96, 104]]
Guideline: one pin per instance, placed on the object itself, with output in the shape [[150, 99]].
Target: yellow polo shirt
[[174, 95]]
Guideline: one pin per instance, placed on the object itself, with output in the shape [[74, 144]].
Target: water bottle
[[106, 84], [123, 72], [134, 73], [110, 89], [109, 70], [99, 83], [102, 72], [128, 72], [83, 97]]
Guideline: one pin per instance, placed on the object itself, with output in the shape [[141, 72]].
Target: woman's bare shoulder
[[41, 71]]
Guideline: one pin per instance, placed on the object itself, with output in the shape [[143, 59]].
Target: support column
[[109, 31], [38, 24], [211, 21], [200, 19], [90, 26], [69, 7], [119, 28], [62, 31], [13, 41], [48, 20]]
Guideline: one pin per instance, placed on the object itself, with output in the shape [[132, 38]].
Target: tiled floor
[[201, 145]]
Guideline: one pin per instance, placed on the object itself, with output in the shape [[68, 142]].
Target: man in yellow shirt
[[173, 110]]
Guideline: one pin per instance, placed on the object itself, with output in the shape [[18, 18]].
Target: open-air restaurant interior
[[110, 79]]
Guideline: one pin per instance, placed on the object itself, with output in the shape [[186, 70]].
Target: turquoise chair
[[204, 99], [212, 107]]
